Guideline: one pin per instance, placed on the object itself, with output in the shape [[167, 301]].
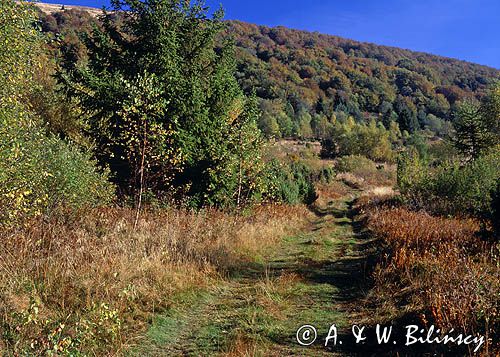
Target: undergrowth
[[436, 268], [91, 285]]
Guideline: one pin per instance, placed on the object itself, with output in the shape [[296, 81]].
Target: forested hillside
[[307, 81], [313, 73]]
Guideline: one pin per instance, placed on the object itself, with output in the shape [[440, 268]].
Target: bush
[[355, 163], [411, 170], [351, 138], [20, 45], [452, 187], [441, 151], [39, 173], [358, 171], [291, 183], [327, 175], [495, 208]]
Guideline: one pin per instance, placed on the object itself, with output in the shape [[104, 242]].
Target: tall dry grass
[[92, 284], [436, 268]]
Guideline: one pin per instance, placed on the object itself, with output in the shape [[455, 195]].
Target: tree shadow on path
[[349, 272]]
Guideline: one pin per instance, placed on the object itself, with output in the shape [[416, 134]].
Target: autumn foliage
[[92, 284], [437, 268]]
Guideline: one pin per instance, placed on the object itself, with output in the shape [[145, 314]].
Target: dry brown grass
[[380, 191], [437, 268], [420, 232], [328, 192], [243, 346], [366, 178], [93, 284]]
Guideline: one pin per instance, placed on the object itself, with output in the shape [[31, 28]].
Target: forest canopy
[[325, 75]]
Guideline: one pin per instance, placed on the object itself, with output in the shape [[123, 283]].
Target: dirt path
[[316, 278]]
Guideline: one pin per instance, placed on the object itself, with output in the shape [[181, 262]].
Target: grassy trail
[[314, 278]]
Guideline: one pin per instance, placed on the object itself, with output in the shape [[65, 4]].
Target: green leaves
[[478, 125], [39, 173], [164, 105], [451, 187], [351, 138], [19, 44]]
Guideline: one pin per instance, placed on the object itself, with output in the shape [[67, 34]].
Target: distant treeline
[[304, 80]]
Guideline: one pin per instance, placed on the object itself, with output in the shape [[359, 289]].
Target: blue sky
[[463, 29]]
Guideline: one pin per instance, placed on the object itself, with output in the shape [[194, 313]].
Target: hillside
[[324, 74], [304, 79], [51, 8]]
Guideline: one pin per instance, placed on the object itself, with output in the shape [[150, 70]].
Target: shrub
[[351, 138], [441, 151], [20, 45], [326, 175], [411, 170], [495, 208], [452, 187], [40, 173], [359, 171], [355, 163], [291, 183]]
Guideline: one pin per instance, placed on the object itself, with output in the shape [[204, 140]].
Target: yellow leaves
[[19, 42], [236, 110], [19, 203], [18, 195]]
